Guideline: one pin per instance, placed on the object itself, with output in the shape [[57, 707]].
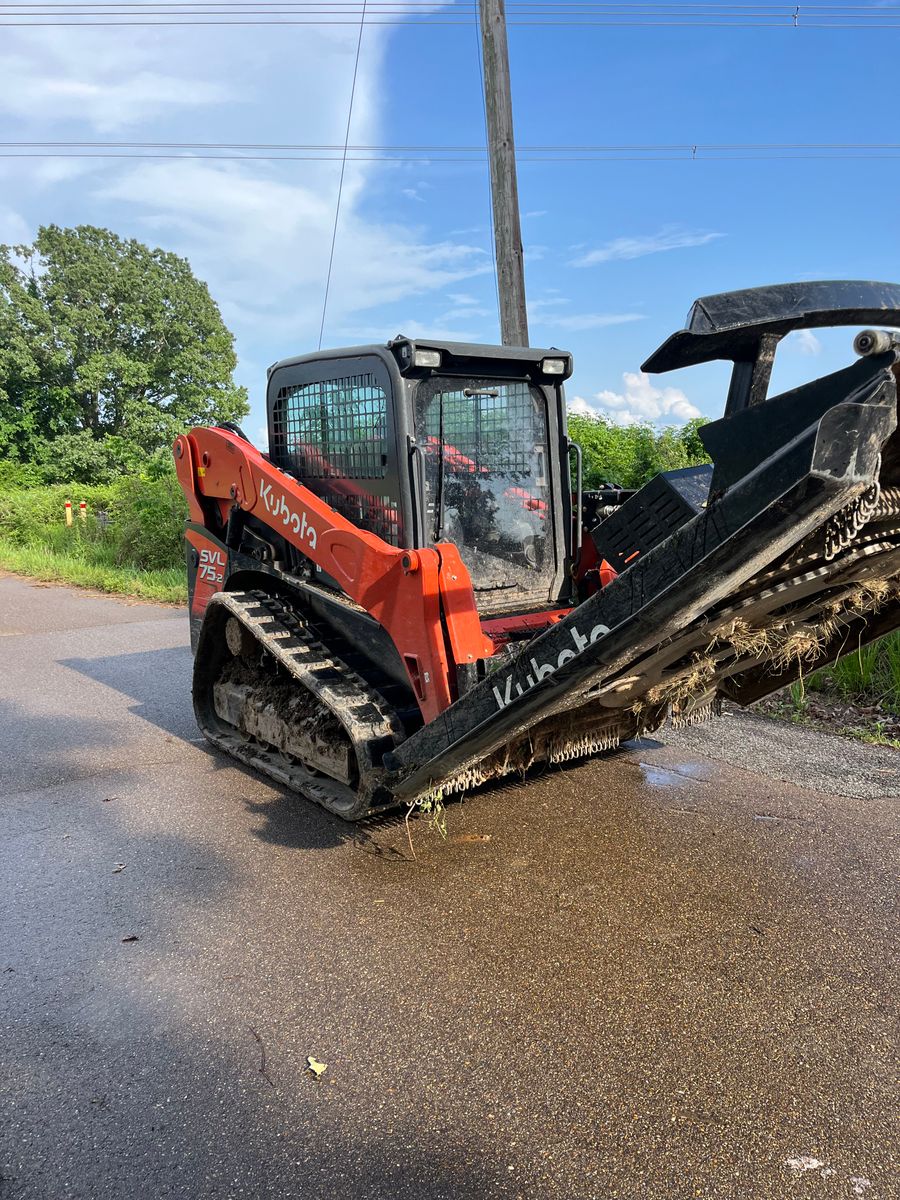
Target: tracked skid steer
[[408, 596]]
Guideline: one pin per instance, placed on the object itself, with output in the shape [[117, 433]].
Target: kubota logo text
[[281, 510], [540, 671]]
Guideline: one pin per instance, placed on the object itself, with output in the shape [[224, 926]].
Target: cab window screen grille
[[495, 429], [332, 429]]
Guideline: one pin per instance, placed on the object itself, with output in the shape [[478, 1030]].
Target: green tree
[[629, 455], [108, 349]]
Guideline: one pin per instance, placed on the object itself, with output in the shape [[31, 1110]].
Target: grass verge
[[166, 585], [857, 697]]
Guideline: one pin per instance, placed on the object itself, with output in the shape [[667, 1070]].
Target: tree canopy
[[108, 349], [628, 455]]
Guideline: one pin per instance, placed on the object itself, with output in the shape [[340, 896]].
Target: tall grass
[[130, 543], [867, 675]]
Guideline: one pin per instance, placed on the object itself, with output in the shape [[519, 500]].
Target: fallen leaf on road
[[117, 868], [132, 937], [106, 799], [315, 1067]]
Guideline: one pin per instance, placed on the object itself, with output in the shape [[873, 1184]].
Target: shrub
[[147, 521], [868, 674]]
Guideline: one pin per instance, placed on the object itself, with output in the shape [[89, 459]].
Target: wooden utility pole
[[504, 185]]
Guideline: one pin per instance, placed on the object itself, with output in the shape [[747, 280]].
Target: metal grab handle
[[417, 465], [576, 531]]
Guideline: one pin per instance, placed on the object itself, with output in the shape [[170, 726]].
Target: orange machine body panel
[[422, 598]]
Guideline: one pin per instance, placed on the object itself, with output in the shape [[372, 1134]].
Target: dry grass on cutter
[[692, 680], [785, 645], [870, 596], [747, 641], [803, 643]]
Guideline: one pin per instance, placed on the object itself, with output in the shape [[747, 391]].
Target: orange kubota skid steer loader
[[405, 596]]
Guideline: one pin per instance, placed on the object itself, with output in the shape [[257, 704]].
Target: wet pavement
[[662, 975]]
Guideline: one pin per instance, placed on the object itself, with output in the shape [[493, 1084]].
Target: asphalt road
[[667, 974]]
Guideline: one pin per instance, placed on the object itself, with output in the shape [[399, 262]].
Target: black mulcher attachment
[[734, 580]]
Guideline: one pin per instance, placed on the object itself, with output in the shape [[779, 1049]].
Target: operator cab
[[444, 442]]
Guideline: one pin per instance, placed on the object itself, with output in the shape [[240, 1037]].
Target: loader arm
[[423, 598]]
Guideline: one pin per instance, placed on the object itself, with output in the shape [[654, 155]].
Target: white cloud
[[259, 233], [579, 407], [620, 249], [77, 76], [532, 216], [641, 400], [543, 308], [415, 193], [48, 172], [804, 341], [263, 244], [437, 328], [465, 319], [580, 322]]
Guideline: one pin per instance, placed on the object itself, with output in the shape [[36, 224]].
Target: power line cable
[[436, 155], [337, 208], [31, 13], [460, 11], [436, 148], [462, 6], [673, 24], [555, 160], [549, 24]]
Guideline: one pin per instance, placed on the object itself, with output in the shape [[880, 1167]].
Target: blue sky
[[616, 251]]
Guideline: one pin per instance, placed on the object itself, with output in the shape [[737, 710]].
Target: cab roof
[[461, 357]]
